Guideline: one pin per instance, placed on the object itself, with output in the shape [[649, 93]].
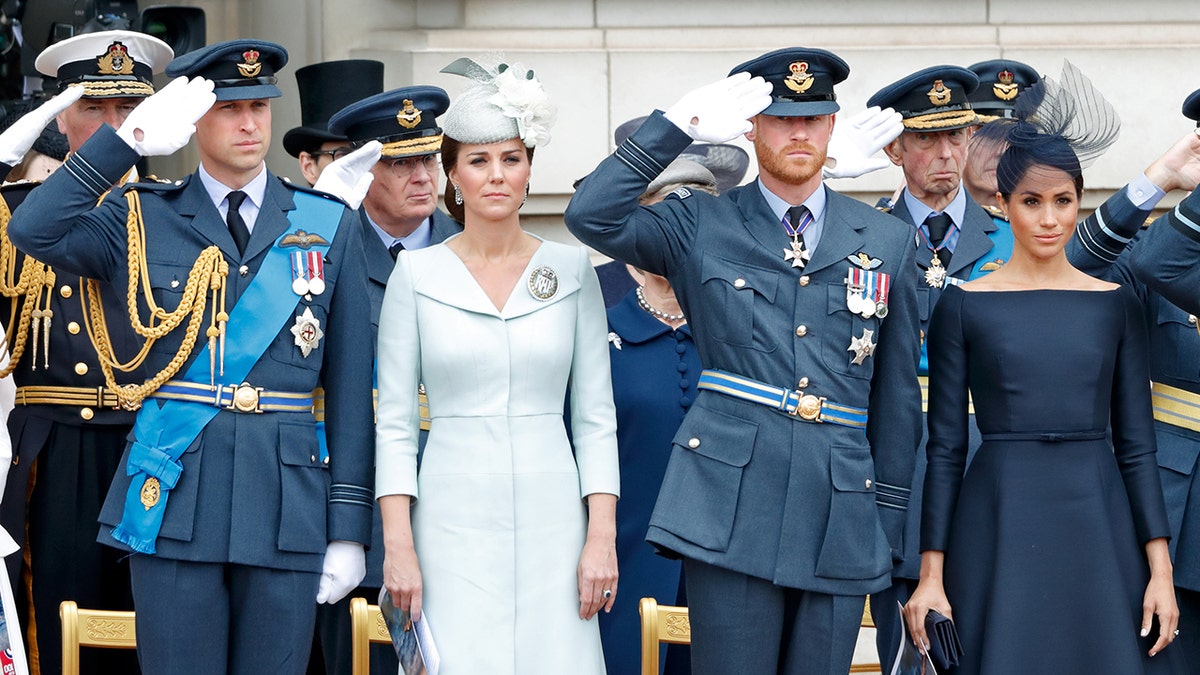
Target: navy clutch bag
[[944, 647]]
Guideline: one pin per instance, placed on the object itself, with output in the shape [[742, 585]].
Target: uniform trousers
[[888, 628], [195, 617], [333, 647], [744, 624]]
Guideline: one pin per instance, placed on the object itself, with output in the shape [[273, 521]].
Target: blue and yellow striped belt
[[242, 397], [1178, 407], [804, 407], [924, 382]]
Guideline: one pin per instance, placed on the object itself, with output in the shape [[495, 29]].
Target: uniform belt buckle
[[808, 407], [244, 398]]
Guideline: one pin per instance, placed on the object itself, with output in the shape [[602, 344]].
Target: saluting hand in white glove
[[165, 122], [855, 142], [721, 111], [19, 138], [349, 177]]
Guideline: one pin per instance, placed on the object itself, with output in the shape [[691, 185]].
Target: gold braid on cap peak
[[938, 120], [33, 284], [207, 275]]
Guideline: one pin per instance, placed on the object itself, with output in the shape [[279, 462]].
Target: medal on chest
[[867, 292], [307, 331], [862, 346], [935, 275], [308, 273], [797, 253]]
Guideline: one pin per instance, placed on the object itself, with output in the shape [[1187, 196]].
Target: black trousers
[[743, 624], [332, 642]]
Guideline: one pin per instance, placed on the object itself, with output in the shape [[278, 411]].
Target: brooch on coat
[[614, 340]]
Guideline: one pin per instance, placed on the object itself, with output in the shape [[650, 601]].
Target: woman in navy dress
[[654, 369], [1050, 553]]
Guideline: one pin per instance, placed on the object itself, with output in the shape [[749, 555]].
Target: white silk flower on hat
[[504, 102]]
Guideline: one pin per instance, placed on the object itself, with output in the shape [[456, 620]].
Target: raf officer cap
[[109, 64], [1191, 107], [404, 120], [802, 80], [1000, 82], [241, 70], [326, 88], [933, 99]]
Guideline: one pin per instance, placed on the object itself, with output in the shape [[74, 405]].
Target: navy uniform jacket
[[253, 489], [984, 244], [73, 363], [813, 506], [379, 268], [1160, 264]]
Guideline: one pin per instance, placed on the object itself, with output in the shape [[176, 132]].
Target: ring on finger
[[1176, 632], [607, 593]]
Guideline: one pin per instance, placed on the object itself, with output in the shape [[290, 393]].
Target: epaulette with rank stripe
[[995, 212]]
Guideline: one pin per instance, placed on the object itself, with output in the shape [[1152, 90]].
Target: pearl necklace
[[672, 318]]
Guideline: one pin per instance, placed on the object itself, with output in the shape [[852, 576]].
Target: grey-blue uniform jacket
[[379, 268], [1160, 264], [815, 506], [984, 244], [253, 489]]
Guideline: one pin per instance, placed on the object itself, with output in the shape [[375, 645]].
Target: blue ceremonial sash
[[164, 433]]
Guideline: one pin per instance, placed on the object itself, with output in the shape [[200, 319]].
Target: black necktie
[[395, 249], [237, 226], [796, 216], [939, 225]]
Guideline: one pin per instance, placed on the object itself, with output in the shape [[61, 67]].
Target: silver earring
[[457, 195], [526, 197]]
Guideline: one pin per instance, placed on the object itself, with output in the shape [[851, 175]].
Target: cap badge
[[116, 60], [543, 283], [800, 80], [1005, 90], [250, 67], [940, 94], [409, 116]]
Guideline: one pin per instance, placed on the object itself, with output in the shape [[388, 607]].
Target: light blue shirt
[[415, 240], [256, 191], [956, 209], [816, 206]]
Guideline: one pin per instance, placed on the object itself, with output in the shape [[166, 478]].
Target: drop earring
[[526, 197], [457, 195]]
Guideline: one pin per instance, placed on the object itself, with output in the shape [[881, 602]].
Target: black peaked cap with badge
[[326, 88], [404, 120], [241, 70], [108, 64], [1191, 107], [1000, 82], [801, 78], [931, 99]]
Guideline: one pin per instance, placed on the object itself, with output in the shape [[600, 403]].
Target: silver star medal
[[935, 276], [307, 330], [862, 346], [797, 253]]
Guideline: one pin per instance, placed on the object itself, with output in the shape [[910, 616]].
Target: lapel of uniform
[[442, 227], [758, 219], [379, 261], [924, 255], [973, 240], [839, 237], [272, 219], [195, 205]]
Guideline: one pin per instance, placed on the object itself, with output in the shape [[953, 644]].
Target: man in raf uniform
[[67, 428], [256, 293], [784, 496], [1160, 264], [956, 241], [398, 211]]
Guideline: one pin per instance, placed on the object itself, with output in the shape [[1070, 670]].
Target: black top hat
[[802, 80], [241, 70], [1191, 107], [404, 120], [1000, 82], [326, 88], [932, 99]]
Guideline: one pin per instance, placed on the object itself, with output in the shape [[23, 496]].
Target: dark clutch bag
[[944, 648]]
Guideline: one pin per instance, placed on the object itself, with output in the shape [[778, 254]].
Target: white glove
[[343, 570], [721, 111], [856, 141], [349, 177], [19, 138], [165, 122]]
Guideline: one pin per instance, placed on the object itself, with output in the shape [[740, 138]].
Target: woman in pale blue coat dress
[[504, 539]]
